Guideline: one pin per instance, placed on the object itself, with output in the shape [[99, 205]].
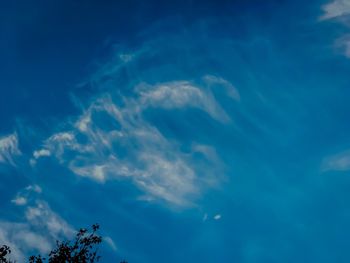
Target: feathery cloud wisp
[[339, 10], [9, 148], [337, 162], [40, 229], [134, 148], [336, 9]]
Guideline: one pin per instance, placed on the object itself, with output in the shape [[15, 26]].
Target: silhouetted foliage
[[83, 249], [4, 252]]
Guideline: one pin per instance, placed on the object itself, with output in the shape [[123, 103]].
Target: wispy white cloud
[[38, 231], [25, 195], [110, 243], [21, 238], [218, 82], [336, 9], [34, 187], [38, 154], [135, 149], [343, 44], [9, 148], [339, 10], [113, 139], [180, 94], [83, 123], [337, 162], [40, 215], [152, 162], [56, 145]]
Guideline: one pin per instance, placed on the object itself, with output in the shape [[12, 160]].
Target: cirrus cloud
[[336, 9], [131, 147], [339, 10], [337, 162], [9, 148], [39, 228]]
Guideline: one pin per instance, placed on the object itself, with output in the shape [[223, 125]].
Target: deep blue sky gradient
[[277, 201]]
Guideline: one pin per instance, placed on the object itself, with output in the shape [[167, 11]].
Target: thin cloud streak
[[337, 162]]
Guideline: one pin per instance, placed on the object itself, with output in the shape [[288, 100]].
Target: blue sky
[[191, 131]]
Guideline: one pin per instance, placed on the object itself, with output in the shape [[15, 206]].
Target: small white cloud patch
[[217, 217], [41, 153], [19, 200]]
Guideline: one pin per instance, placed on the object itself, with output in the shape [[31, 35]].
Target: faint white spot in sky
[[217, 217]]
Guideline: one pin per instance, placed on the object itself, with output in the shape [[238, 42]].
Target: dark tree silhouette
[[83, 249], [4, 252]]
